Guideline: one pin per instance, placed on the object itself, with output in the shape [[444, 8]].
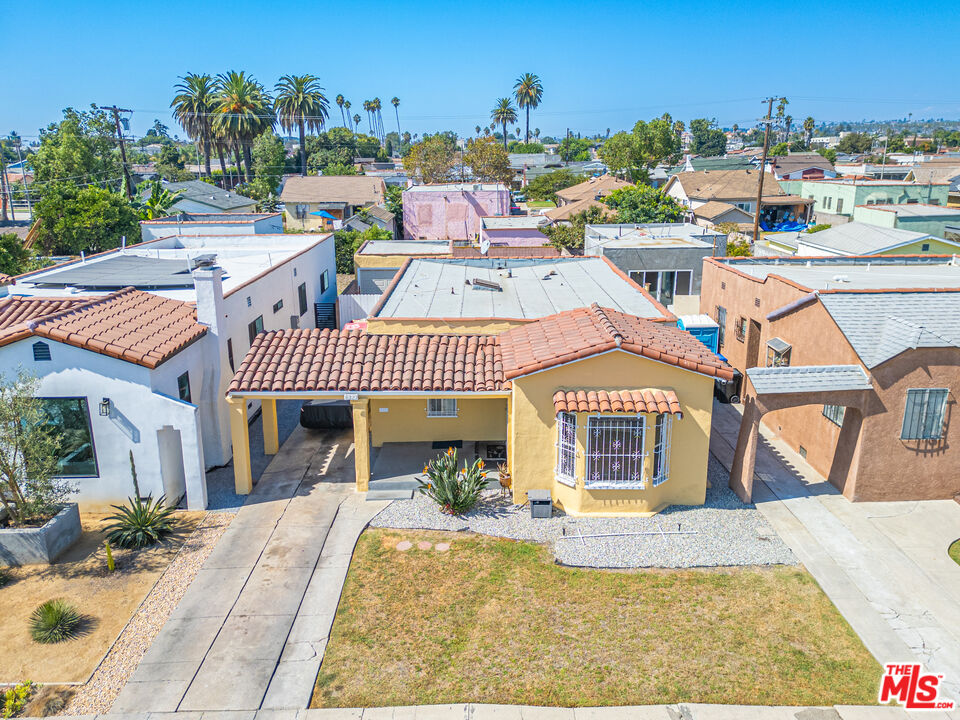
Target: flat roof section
[[863, 273], [650, 235], [122, 271], [521, 289], [405, 247], [514, 222], [917, 210]]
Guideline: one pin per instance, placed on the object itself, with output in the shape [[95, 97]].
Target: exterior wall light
[[105, 407]]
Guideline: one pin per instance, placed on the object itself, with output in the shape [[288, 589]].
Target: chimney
[[208, 283]]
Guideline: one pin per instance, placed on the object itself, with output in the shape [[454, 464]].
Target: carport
[[767, 389]]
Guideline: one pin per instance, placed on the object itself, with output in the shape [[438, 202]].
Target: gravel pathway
[[96, 696], [727, 531]]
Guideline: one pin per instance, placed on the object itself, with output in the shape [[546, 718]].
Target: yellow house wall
[[532, 446], [405, 420], [310, 222], [937, 247], [400, 326]]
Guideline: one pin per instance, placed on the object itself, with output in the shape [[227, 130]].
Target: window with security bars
[[615, 452], [923, 416], [663, 428], [740, 328], [566, 448], [442, 407]]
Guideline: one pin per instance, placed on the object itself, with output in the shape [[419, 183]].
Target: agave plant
[[141, 523], [55, 621], [455, 491]]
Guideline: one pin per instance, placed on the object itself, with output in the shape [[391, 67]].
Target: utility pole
[[123, 151], [763, 169], [23, 174], [5, 196]]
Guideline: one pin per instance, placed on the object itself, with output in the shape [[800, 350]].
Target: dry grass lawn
[[497, 621], [79, 576]]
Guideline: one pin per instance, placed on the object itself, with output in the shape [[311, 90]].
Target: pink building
[[452, 211], [514, 230]]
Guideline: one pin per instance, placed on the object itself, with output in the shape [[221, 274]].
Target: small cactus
[[111, 565]]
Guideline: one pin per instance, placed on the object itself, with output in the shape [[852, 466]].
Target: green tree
[[269, 163], [855, 143], [30, 492], [656, 141], [572, 236], [574, 149], [432, 158], [395, 101], [340, 169], [193, 106], [525, 148], [829, 153], [347, 242], [528, 91], [619, 154], [488, 161], [301, 104], [779, 150], [503, 113], [170, 165], [708, 140], [244, 110], [15, 259], [81, 147], [89, 219], [154, 201], [545, 187], [644, 204], [394, 203]]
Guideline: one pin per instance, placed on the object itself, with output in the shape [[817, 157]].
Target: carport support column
[[239, 432], [745, 455], [361, 443], [271, 438]]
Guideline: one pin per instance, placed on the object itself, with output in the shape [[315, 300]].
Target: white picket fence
[[355, 307]]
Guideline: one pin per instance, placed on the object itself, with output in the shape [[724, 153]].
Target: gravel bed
[[728, 532], [96, 696]]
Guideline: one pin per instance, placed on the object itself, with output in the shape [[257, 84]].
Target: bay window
[[615, 452], [566, 448]]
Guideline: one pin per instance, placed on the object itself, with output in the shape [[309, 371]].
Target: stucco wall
[[515, 237], [405, 420], [637, 259], [454, 214], [273, 224], [532, 448]]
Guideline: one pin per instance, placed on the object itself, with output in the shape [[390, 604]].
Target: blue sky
[[603, 64]]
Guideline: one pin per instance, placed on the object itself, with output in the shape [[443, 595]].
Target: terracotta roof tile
[[626, 401], [130, 324], [566, 336], [352, 360]]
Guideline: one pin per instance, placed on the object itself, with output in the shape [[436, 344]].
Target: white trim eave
[[341, 394]]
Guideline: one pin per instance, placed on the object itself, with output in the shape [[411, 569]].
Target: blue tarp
[[787, 226], [324, 214]]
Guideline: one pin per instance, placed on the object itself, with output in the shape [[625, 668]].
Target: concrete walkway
[[884, 565], [251, 630]]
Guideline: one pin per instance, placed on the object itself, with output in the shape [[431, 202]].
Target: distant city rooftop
[[878, 272], [511, 288], [163, 266], [513, 222]]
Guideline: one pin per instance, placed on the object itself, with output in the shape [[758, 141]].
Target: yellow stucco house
[[609, 411]]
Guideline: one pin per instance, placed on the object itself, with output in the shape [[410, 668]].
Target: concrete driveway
[[884, 565]]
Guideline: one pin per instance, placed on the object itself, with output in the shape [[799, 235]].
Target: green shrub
[[455, 491], [818, 227], [140, 524], [55, 621], [15, 698]]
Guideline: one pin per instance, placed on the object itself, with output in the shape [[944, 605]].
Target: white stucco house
[[169, 412]]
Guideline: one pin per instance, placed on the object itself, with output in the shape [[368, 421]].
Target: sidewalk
[[252, 627], [884, 565]]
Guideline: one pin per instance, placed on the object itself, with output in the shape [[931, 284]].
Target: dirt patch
[[80, 576]]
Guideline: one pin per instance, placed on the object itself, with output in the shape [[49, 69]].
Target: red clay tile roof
[[625, 401], [130, 324], [575, 334], [352, 360]]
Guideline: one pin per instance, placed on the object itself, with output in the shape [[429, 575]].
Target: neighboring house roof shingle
[[786, 164], [6, 279], [207, 194], [653, 400], [565, 212], [882, 325], [725, 184], [355, 361], [808, 378], [859, 238], [575, 334], [352, 189], [589, 189], [715, 208], [131, 325]]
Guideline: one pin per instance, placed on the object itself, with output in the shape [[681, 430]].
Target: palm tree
[[159, 203], [528, 91], [536, 133], [346, 106], [477, 129], [301, 104], [788, 121], [808, 125], [378, 118], [366, 106], [244, 111], [504, 112], [340, 102], [395, 101], [356, 122], [193, 107]]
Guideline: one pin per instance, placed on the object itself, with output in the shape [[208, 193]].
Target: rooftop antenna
[[484, 246]]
